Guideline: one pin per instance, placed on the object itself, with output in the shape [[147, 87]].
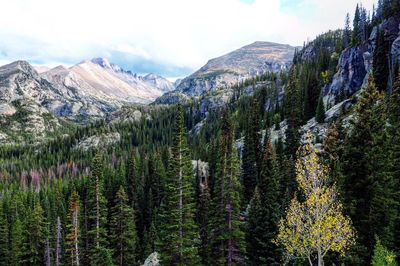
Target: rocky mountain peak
[[18, 66], [231, 68], [103, 62]]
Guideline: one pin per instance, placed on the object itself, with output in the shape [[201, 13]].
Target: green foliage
[[178, 231], [320, 113], [123, 230], [382, 256], [264, 213]]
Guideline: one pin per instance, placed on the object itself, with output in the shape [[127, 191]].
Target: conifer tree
[[123, 230], [72, 251], [347, 31], [204, 224], [227, 236], [265, 213], [359, 174], [17, 242], [150, 239], [33, 249], [293, 113], [320, 112], [355, 37], [178, 232], [97, 215], [382, 256], [251, 166], [4, 237]]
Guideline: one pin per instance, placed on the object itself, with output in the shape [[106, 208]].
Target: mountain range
[[33, 99]]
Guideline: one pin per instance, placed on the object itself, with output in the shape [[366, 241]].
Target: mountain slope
[[248, 61], [83, 99], [118, 85], [159, 82], [24, 103]]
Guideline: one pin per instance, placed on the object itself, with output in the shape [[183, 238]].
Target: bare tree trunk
[[97, 213], [320, 259], [58, 242], [47, 253], [75, 253]]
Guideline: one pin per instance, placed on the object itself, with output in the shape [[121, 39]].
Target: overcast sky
[[167, 37]]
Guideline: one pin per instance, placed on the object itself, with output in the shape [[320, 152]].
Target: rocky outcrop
[[229, 69], [159, 82], [98, 141], [173, 97], [356, 62], [353, 66], [152, 260]]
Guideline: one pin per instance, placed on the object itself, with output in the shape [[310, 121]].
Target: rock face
[[229, 69], [25, 100], [103, 140], [172, 97], [356, 62], [353, 65], [159, 82], [152, 260]]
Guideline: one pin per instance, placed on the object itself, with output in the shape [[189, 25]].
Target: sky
[[168, 37]]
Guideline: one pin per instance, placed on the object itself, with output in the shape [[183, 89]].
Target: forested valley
[[249, 183]]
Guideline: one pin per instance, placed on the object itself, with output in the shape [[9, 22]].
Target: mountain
[[159, 82], [115, 82], [25, 100], [79, 99], [39, 100], [243, 63]]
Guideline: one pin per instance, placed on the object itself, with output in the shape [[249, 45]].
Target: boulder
[[152, 260]]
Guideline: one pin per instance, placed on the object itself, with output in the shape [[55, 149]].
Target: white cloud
[[178, 33]]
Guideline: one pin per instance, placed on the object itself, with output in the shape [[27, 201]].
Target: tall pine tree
[[123, 231], [178, 232]]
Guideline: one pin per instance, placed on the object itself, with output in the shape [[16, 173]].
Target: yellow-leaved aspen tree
[[316, 224]]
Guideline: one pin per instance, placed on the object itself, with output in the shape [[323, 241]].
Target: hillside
[[246, 62]]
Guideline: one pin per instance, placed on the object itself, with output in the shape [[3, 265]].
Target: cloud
[[171, 37]]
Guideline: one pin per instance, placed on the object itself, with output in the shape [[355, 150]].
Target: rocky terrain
[[356, 62], [159, 82], [37, 101], [241, 64]]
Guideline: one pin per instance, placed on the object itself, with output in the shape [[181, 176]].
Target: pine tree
[[204, 224], [131, 181], [4, 238], [123, 232], [382, 256], [33, 249], [293, 113], [251, 151], [178, 231], [72, 251], [227, 236], [347, 31], [150, 240], [320, 112], [97, 215], [17, 242], [355, 37], [359, 174], [264, 213]]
